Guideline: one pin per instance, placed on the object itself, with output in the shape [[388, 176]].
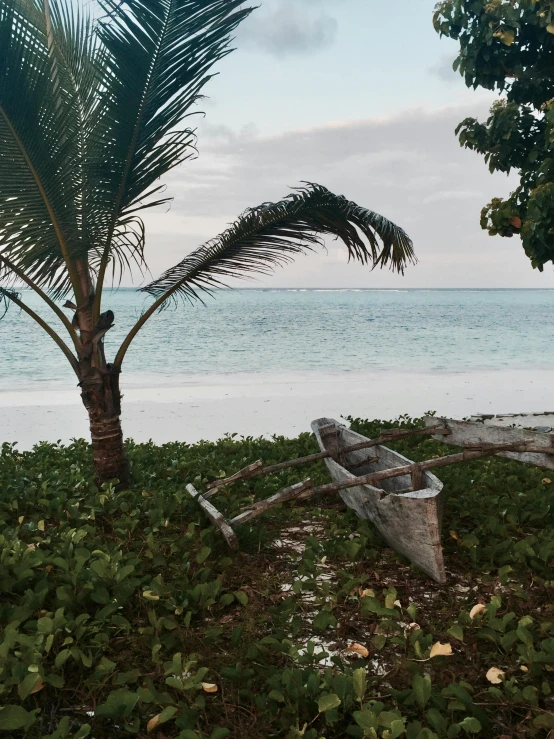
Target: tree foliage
[[508, 46]]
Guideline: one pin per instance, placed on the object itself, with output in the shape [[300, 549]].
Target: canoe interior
[[387, 459]]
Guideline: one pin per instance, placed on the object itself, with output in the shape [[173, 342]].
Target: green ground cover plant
[[123, 613]]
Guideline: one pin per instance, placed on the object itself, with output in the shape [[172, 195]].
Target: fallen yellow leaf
[[494, 675], [150, 595], [523, 668], [209, 687], [153, 724], [454, 535], [368, 593], [398, 603], [440, 650], [476, 610], [358, 649], [546, 481]]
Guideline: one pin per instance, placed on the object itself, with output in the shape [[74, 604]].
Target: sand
[[255, 405]]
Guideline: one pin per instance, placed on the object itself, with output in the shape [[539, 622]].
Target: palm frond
[[159, 55], [273, 233], [7, 296]]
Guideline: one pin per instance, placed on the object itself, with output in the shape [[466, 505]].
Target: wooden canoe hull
[[409, 522]]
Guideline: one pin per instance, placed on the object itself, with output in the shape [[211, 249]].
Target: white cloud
[[409, 167], [289, 28]]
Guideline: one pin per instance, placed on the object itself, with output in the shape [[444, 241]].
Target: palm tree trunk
[[102, 399]]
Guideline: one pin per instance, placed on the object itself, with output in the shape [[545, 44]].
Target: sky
[[359, 96]]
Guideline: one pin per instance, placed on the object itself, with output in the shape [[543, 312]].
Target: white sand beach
[[209, 407]]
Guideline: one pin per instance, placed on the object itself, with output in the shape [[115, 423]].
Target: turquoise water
[[285, 331]]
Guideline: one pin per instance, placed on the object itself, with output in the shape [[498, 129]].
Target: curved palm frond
[[159, 56], [273, 233]]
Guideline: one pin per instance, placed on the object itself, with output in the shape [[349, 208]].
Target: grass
[[124, 614]]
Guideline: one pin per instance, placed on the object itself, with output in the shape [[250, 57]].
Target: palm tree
[[92, 114]]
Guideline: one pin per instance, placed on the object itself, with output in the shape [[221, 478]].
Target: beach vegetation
[[508, 47], [124, 613], [93, 113]]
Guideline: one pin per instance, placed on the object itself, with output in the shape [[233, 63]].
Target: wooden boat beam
[[256, 509], [469, 454], [218, 520]]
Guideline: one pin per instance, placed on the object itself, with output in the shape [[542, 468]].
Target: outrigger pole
[[257, 469]]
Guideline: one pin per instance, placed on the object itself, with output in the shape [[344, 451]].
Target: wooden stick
[[215, 517], [245, 473], [418, 478], [256, 509], [257, 469]]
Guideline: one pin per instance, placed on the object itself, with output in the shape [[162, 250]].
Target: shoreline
[[209, 407]]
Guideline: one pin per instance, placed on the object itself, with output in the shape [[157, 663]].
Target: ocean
[[280, 331]]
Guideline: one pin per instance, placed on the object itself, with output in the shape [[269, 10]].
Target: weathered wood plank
[[218, 520], [536, 447]]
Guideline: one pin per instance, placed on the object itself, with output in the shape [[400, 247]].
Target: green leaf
[[421, 686], [167, 714], [328, 702], [119, 703], [220, 733], [396, 729], [62, 657], [470, 725], [544, 721], [436, 719], [45, 625], [242, 598], [203, 555], [236, 635], [456, 631], [366, 719], [276, 695], [25, 688], [359, 680], [15, 717], [323, 620]]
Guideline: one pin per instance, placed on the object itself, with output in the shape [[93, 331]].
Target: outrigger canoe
[[407, 510]]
